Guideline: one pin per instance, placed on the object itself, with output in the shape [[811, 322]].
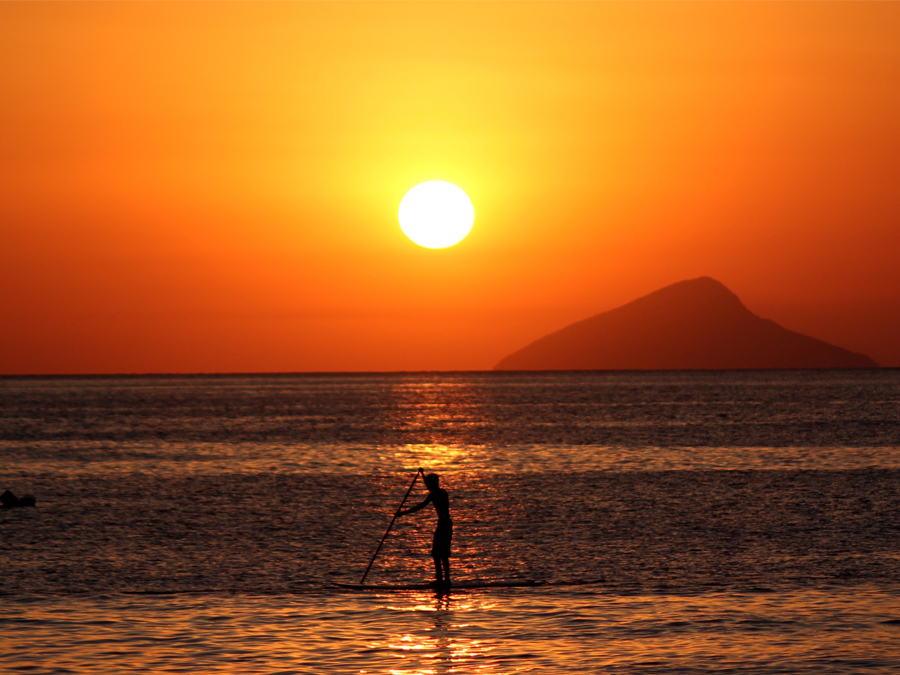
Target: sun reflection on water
[[440, 643], [436, 457]]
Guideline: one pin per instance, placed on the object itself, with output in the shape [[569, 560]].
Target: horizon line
[[4, 376]]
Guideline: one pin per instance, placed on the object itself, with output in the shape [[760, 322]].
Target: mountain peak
[[692, 324]]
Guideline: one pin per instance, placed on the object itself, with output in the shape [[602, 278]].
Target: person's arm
[[418, 507]]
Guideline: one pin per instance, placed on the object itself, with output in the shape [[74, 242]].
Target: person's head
[[432, 482]]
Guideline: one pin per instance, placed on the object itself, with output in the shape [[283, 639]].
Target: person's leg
[[447, 571], [437, 570]]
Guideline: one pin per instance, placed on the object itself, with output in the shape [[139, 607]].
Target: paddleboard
[[458, 585]]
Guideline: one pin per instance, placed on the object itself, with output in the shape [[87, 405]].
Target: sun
[[436, 214]]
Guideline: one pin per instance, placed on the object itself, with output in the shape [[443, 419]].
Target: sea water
[[679, 522]]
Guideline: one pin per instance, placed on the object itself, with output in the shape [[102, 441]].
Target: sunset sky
[[208, 187]]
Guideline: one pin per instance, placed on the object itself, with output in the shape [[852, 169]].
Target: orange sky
[[213, 187]]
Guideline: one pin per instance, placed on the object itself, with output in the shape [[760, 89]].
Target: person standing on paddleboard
[[443, 533]]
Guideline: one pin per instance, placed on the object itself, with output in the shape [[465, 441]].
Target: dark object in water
[[8, 499], [462, 585]]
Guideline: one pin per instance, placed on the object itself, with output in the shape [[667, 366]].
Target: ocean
[[677, 522]]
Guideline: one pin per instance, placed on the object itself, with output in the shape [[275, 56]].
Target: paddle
[[397, 513]]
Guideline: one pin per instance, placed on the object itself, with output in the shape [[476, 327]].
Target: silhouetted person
[[443, 533]]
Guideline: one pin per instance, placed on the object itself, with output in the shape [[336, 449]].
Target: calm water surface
[[681, 522], [497, 632]]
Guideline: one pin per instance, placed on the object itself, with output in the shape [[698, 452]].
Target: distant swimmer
[[443, 533], [9, 500]]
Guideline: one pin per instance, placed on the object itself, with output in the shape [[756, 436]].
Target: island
[[696, 324]]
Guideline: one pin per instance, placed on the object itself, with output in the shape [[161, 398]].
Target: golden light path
[[436, 214]]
